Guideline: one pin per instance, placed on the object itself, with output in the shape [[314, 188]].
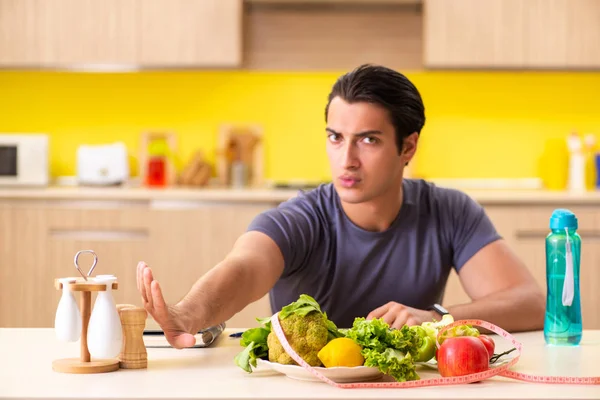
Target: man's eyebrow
[[359, 134]]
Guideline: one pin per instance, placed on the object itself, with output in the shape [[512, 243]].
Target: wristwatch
[[439, 309]]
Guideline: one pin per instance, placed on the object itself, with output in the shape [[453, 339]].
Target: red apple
[[489, 344], [462, 355]]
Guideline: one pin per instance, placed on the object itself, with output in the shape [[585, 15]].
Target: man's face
[[362, 151]]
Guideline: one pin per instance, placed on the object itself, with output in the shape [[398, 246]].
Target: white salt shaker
[[105, 334], [67, 321]]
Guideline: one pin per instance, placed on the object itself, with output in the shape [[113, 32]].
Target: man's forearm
[[516, 309], [218, 295]]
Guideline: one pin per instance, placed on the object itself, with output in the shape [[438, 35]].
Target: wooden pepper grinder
[[133, 352]]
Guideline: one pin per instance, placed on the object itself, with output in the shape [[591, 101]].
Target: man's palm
[[172, 322]]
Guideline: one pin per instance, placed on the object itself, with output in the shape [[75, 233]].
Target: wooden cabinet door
[[563, 34], [532, 250], [44, 240], [187, 243], [92, 31], [205, 33], [474, 33], [24, 35], [67, 32], [9, 275], [503, 218], [546, 34], [555, 34], [583, 30], [120, 238], [531, 229], [27, 284]]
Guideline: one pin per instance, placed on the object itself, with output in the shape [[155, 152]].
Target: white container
[[576, 181], [67, 321], [105, 335]]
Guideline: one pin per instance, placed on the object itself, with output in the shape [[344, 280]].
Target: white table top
[[210, 373]]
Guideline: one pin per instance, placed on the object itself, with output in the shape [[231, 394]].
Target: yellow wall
[[478, 124]]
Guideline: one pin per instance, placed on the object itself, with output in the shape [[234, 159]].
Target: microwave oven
[[24, 160]]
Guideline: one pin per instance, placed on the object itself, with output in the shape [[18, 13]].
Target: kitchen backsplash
[[479, 124]]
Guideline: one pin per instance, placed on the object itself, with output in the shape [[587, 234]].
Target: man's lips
[[349, 181]]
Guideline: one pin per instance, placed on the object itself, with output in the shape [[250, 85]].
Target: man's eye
[[370, 140], [334, 137]]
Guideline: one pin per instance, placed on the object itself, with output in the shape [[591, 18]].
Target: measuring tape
[[502, 370]]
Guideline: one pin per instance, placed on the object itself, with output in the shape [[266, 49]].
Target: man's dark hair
[[387, 88]]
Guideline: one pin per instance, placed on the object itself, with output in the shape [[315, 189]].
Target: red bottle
[[157, 172]]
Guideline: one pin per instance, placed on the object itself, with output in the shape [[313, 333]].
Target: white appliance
[[24, 159], [105, 164]]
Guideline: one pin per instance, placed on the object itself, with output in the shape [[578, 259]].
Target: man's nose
[[349, 156]]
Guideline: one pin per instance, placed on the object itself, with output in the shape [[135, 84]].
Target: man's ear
[[410, 147]]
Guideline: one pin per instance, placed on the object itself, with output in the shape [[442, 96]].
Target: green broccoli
[[306, 334], [306, 328]]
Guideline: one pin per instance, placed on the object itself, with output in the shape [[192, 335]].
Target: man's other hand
[[397, 315], [176, 326]]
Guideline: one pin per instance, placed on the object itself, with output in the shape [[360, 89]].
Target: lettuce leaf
[[254, 341], [393, 363], [391, 350]]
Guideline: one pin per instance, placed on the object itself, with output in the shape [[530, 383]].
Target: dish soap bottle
[[562, 323], [576, 181]]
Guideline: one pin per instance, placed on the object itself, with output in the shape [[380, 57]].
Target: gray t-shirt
[[351, 271]]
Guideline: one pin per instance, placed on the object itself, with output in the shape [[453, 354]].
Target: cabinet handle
[[542, 234], [99, 235]]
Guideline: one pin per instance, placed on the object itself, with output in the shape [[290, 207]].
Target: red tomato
[[489, 343], [462, 355]]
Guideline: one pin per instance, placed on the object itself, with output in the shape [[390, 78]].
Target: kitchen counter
[[268, 195], [249, 195], [210, 373]]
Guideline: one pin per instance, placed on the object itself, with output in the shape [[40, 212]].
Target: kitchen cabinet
[[187, 243], [27, 282], [583, 29], [92, 31], [554, 34], [525, 229], [183, 239], [23, 38], [471, 33], [190, 33], [39, 240], [37, 33], [7, 265], [71, 33]]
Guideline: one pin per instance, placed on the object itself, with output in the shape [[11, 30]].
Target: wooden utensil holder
[[232, 136], [83, 364]]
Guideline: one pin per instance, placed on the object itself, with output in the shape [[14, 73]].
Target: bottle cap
[[562, 218]]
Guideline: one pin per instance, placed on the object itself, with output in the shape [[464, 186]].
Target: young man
[[369, 244]]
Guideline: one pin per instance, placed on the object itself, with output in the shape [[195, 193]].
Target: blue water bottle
[[562, 324]]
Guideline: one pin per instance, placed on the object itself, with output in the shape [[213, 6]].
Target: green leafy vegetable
[[391, 350], [255, 345], [392, 362]]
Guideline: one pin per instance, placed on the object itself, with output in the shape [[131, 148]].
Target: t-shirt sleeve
[[470, 228], [295, 228]]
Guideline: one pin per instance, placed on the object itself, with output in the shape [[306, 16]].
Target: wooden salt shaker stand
[[83, 364]]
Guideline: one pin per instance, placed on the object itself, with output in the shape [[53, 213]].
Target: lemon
[[341, 352]]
